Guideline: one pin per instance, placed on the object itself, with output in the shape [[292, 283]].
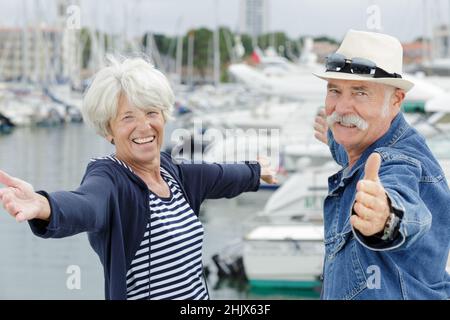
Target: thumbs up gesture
[[20, 200], [371, 202]]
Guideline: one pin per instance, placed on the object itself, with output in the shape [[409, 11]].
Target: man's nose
[[344, 105]]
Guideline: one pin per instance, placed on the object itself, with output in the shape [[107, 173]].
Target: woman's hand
[[20, 200], [268, 174], [321, 127]]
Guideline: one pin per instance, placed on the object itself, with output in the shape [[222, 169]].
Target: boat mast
[[190, 67], [216, 46], [24, 44], [425, 33], [448, 31], [179, 54]]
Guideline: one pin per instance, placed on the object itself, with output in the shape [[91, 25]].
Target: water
[[54, 159]]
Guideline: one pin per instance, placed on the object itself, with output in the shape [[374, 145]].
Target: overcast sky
[[401, 18]]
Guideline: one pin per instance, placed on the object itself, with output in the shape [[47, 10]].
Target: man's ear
[[398, 97]]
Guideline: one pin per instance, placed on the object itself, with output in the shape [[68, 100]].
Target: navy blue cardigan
[[111, 205]]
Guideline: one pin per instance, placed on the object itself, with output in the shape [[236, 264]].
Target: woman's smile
[[145, 140]]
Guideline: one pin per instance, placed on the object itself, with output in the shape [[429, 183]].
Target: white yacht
[[285, 249], [284, 255]]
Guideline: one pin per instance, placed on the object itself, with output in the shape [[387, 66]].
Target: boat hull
[[283, 260]]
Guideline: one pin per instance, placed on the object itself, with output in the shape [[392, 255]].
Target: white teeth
[[144, 140], [347, 125]]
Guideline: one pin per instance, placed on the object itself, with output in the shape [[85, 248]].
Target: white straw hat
[[385, 51]]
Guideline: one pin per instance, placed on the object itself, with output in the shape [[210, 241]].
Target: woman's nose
[[144, 121]]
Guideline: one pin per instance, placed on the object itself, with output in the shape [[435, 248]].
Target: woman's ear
[[110, 138]]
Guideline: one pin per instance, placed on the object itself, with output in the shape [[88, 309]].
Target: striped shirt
[[168, 262]]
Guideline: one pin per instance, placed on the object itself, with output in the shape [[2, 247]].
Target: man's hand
[[268, 174], [371, 202], [321, 127], [20, 200]]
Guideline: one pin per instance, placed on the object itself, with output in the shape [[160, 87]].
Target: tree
[[325, 39], [276, 40], [86, 47], [202, 39], [162, 42], [247, 44]]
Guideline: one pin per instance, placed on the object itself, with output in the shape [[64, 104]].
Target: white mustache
[[351, 119]]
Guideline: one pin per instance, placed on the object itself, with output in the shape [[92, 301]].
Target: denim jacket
[[412, 266]]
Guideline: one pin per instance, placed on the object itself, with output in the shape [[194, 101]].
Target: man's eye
[[361, 93]]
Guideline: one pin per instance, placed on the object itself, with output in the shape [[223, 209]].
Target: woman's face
[[137, 134]]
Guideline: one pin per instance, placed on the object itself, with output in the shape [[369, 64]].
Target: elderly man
[[387, 216]]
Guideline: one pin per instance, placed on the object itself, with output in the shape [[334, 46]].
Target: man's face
[[358, 112]]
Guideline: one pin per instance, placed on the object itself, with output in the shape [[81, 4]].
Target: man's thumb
[[372, 167]]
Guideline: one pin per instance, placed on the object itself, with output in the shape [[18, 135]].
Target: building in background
[[254, 18], [430, 56], [26, 53], [415, 52], [441, 42], [41, 53], [322, 49]]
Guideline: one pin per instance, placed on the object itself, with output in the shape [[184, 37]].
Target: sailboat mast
[[179, 57], [24, 44], [424, 21], [216, 46], [448, 30], [179, 53], [191, 57]]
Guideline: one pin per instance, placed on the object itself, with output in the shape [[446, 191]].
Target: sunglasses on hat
[[337, 62]]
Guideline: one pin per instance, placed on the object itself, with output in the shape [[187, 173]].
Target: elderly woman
[[139, 208]]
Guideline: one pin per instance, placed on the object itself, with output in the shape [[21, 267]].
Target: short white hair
[[136, 79]]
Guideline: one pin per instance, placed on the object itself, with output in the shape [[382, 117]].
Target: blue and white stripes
[[168, 263]]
